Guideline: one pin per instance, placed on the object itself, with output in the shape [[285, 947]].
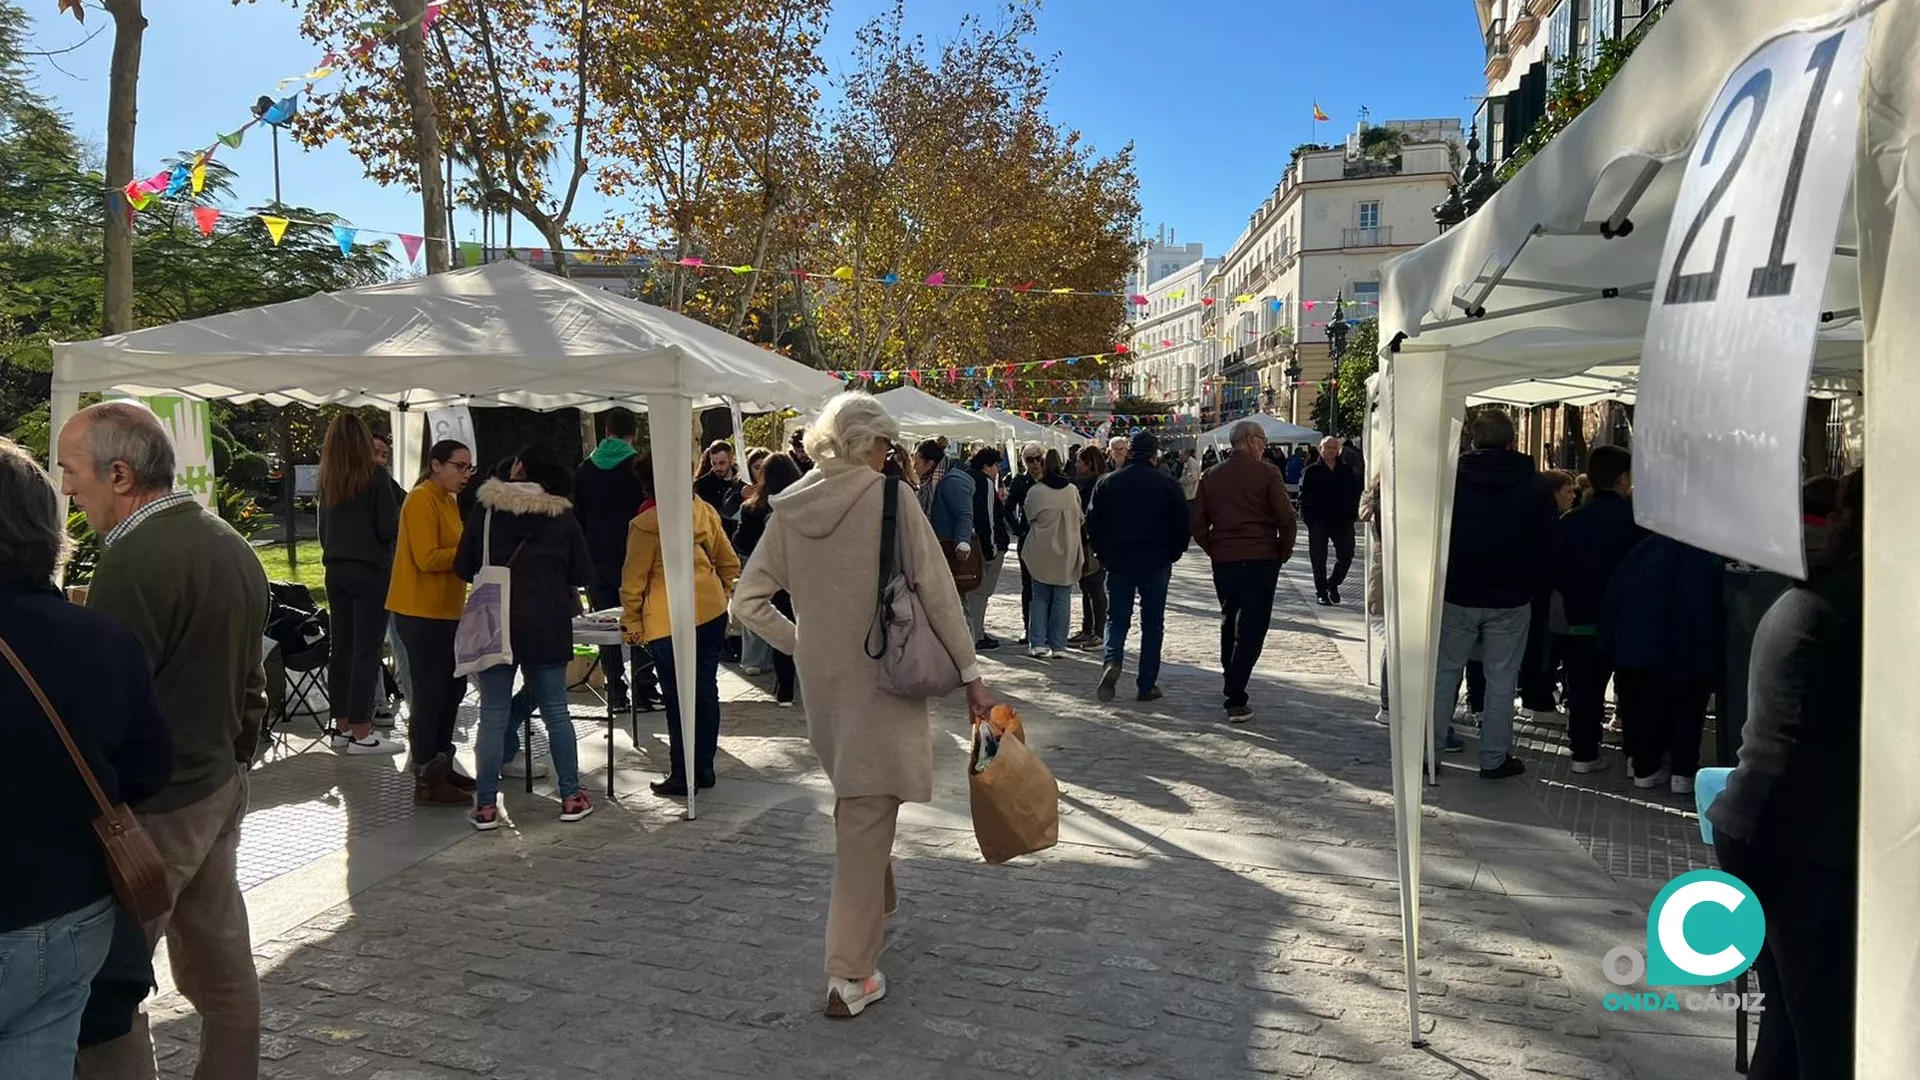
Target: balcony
[[1525, 26], [1497, 59], [1379, 236]]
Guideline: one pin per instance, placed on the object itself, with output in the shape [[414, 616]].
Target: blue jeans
[[755, 652], [46, 972], [548, 683], [1152, 589], [401, 673], [1501, 635], [1050, 614], [708, 640]]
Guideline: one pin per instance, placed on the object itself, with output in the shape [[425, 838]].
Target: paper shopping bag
[[1015, 799]]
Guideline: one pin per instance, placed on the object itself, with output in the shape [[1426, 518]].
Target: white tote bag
[[483, 639]]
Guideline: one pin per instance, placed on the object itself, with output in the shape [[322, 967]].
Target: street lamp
[[1293, 383], [1337, 330]]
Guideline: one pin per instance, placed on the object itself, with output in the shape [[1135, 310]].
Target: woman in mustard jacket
[[426, 598], [643, 602]]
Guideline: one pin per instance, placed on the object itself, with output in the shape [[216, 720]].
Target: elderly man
[[1329, 504], [1244, 522], [1117, 449], [1138, 525], [194, 594]]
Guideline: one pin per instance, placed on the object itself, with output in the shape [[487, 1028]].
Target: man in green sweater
[[194, 594]]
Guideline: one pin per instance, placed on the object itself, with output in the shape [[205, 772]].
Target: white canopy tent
[[1542, 296], [501, 334], [1022, 430], [923, 416], [1278, 431]]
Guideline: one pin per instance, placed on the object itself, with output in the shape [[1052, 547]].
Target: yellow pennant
[[1243, 298], [845, 273], [276, 227], [199, 176]]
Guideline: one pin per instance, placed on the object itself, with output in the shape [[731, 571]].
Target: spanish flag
[[1318, 116]]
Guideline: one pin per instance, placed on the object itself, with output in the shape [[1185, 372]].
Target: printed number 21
[[1775, 278]]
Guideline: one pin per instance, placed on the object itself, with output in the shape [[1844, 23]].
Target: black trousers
[[1026, 595], [1806, 968], [1325, 583], [1588, 672], [357, 631], [437, 693], [783, 672], [602, 594], [1538, 670], [1093, 604], [1659, 715], [1246, 592]]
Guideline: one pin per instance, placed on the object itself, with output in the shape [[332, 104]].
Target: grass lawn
[[310, 574]]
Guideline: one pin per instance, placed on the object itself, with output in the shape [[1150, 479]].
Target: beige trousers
[[862, 884], [208, 941]]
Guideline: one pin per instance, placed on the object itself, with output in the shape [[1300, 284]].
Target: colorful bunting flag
[[276, 227], [1206, 301], [137, 196], [1243, 298], [176, 181], [411, 244], [232, 138], [693, 260], [844, 273], [469, 253], [343, 235], [199, 174], [282, 110], [428, 17], [205, 216], [938, 277], [743, 269], [890, 279]]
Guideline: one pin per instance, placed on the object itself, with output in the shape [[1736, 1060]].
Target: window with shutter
[[1560, 36], [1606, 23]]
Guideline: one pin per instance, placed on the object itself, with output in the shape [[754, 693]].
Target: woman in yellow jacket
[[426, 598], [643, 602]]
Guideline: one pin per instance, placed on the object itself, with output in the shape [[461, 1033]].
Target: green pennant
[[469, 254], [232, 139]]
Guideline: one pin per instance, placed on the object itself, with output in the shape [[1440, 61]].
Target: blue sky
[[1213, 94]]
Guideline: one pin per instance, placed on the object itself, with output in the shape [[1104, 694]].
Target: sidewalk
[[1223, 903]]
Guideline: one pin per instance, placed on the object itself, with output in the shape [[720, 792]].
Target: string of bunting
[[170, 182]]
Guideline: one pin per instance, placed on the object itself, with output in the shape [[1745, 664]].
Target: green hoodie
[[612, 452]]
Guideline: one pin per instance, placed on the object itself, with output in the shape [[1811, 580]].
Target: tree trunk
[[122, 99], [426, 134]]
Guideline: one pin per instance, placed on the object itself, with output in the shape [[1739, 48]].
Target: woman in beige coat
[[822, 546]]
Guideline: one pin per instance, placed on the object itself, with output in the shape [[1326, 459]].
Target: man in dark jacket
[[1244, 521], [1138, 525], [1594, 541], [1664, 629], [990, 525], [1329, 504], [606, 497], [1500, 554]]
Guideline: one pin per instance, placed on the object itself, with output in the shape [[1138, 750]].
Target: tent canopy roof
[[923, 416], [499, 334], [1538, 241], [1278, 431], [1026, 430]]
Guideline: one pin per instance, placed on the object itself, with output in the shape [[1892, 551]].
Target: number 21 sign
[[1730, 338]]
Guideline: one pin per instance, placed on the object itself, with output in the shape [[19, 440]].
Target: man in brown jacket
[[1244, 522]]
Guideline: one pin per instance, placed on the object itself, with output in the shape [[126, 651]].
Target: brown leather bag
[[134, 865], [969, 570]]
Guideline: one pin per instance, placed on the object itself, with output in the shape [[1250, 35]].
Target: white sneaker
[[850, 997], [1659, 777], [372, 744], [1037, 654], [517, 768], [1380, 717], [753, 671], [1055, 654], [1593, 766], [1681, 785], [338, 739]]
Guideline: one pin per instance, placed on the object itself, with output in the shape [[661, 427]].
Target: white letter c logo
[[1673, 937]]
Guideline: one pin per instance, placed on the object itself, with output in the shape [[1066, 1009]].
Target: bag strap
[[60, 728], [889, 521], [486, 539]]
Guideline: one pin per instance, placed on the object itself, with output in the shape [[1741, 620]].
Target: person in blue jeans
[[57, 911], [1139, 525], [527, 524]]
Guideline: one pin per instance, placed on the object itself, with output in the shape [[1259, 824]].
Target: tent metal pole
[[1476, 308], [1635, 292], [1611, 227]]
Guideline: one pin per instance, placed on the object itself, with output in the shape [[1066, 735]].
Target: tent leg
[[670, 419], [60, 408], [1406, 816]]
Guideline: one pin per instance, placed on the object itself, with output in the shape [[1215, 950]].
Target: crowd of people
[[1553, 594]]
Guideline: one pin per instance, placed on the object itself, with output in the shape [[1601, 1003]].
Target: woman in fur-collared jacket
[[535, 534]]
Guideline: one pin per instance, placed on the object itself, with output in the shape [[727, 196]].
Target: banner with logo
[[189, 422]]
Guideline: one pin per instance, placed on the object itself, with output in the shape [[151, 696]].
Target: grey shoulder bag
[[914, 662]]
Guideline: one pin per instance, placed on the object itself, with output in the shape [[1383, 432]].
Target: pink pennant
[[1137, 299], [428, 17], [693, 260], [938, 277], [412, 245], [1308, 304], [952, 374], [205, 216], [158, 181]]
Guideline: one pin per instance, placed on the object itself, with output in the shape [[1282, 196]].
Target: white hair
[[129, 432], [1032, 449], [849, 427], [1118, 443], [1244, 431]]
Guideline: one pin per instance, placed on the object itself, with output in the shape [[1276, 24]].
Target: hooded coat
[[822, 546], [536, 534], [643, 584]]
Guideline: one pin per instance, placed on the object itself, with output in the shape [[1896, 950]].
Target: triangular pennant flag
[[916, 378], [1025, 286], [469, 253], [693, 260], [890, 279], [1119, 350], [1243, 298], [176, 180], [1137, 299], [1308, 304], [282, 110], [233, 138], [137, 196], [1206, 301], [427, 18], [205, 216], [199, 176], [938, 277], [276, 227], [845, 273], [343, 235], [981, 284], [411, 244], [536, 254], [1057, 291], [742, 269]]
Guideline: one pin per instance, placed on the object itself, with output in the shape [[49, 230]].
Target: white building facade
[[1170, 358], [1527, 42]]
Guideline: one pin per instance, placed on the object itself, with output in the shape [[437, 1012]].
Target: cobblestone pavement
[[1222, 904]]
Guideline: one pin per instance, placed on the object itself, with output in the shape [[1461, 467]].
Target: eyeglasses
[[462, 466]]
